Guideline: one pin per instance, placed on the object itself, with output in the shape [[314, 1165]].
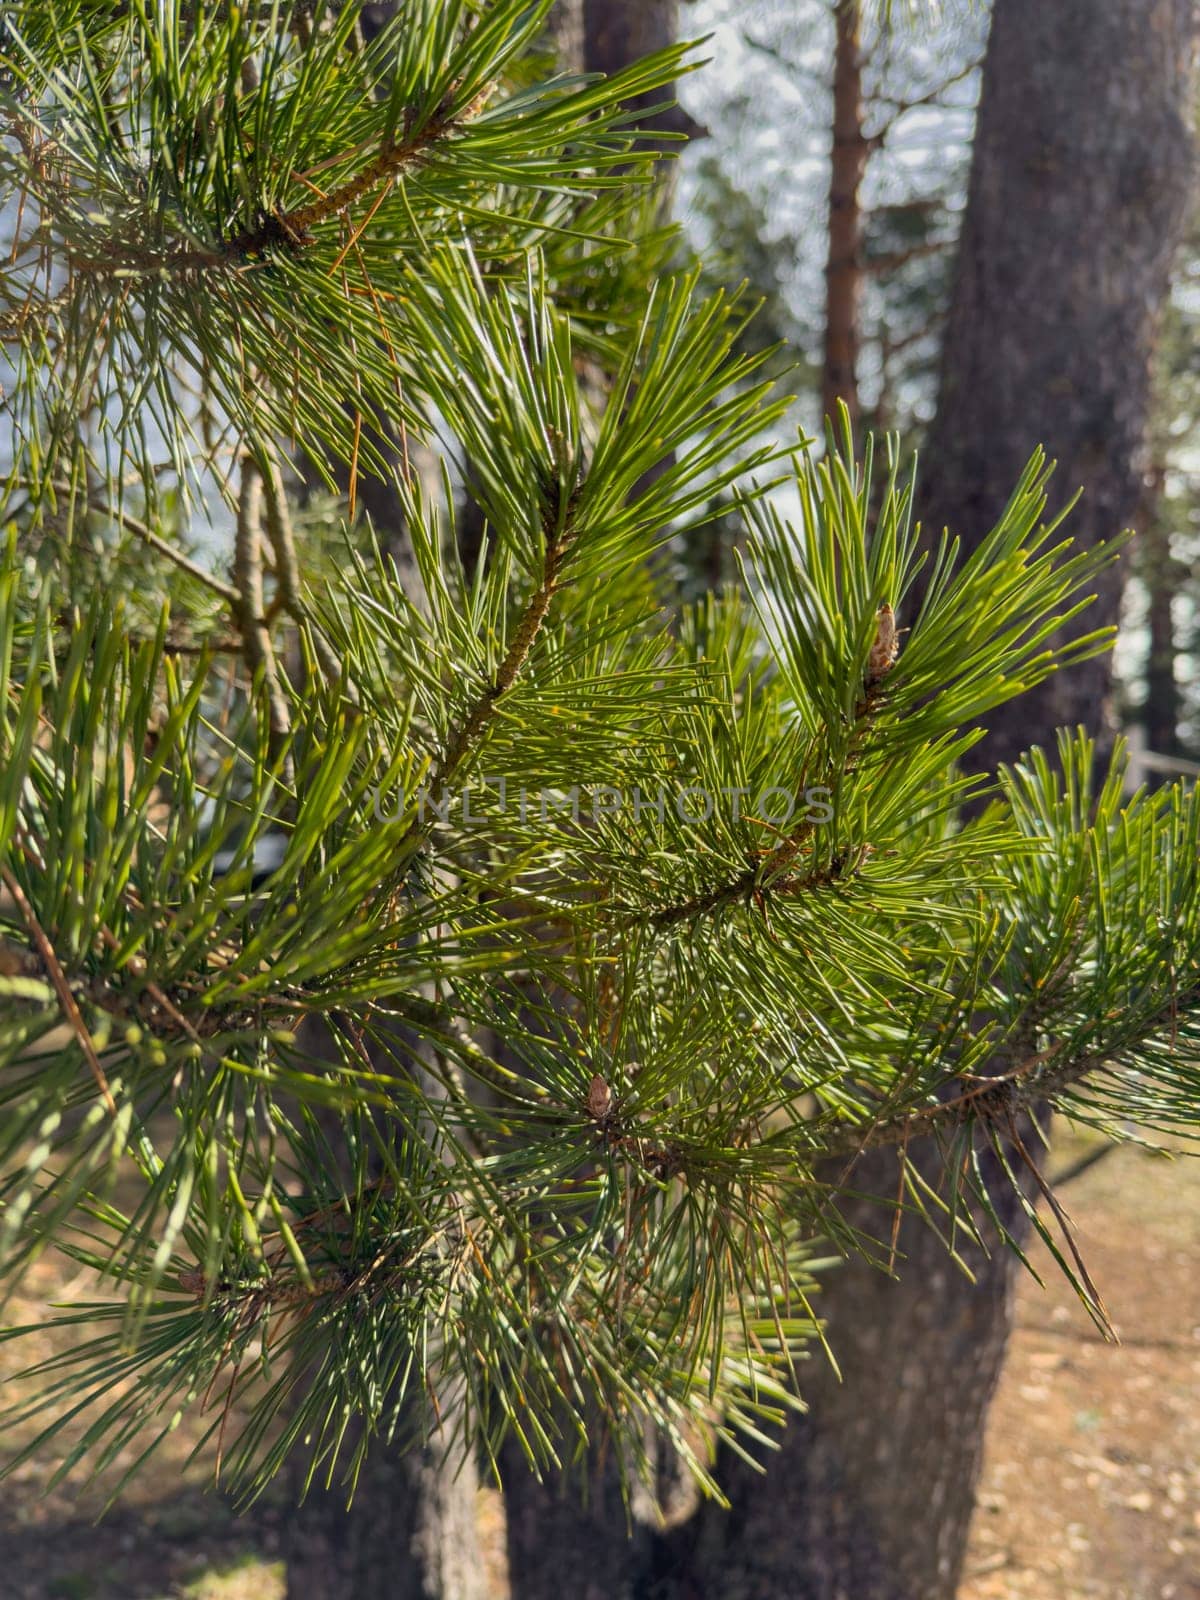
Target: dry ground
[[1092, 1470], [1092, 1478]]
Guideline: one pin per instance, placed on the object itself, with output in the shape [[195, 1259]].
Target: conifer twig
[[62, 988], [283, 543], [468, 733], [744, 887], [248, 609], [288, 230], [770, 873], [999, 1097]]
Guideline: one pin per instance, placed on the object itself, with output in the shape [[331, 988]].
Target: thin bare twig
[[62, 988], [931, 98], [287, 578], [139, 530], [249, 611]]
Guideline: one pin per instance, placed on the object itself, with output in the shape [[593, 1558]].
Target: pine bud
[[599, 1098], [886, 647]]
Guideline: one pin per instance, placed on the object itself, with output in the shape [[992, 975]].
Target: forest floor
[[1091, 1485]]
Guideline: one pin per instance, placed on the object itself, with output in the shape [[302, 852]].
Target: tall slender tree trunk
[[844, 267], [1162, 577], [1081, 172]]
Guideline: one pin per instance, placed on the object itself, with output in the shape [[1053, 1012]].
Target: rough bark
[[410, 1534], [1080, 178], [844, 266], [870, 1494]]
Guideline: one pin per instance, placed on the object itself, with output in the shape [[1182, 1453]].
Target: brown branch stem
[[289, 230], [62, 988], [249, 610], [1024, 1087], [287, 575], [467, 736], [139, 530]]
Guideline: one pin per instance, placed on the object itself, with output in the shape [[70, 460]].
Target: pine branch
[[291, 230], [931, 98], [467, 736], [614, 1210], [757, 881], [1033, 1081], [770, 875], [61, 987]]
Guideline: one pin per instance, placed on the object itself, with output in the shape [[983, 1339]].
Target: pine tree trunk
[[844, 267], [870, 1494], [1162, 577], [410, 1534], [1081, 174]]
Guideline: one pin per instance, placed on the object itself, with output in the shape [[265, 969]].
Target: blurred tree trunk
[[409, 1535], [618, 32], [1081, 177], [1163, 576], [844, 267]]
